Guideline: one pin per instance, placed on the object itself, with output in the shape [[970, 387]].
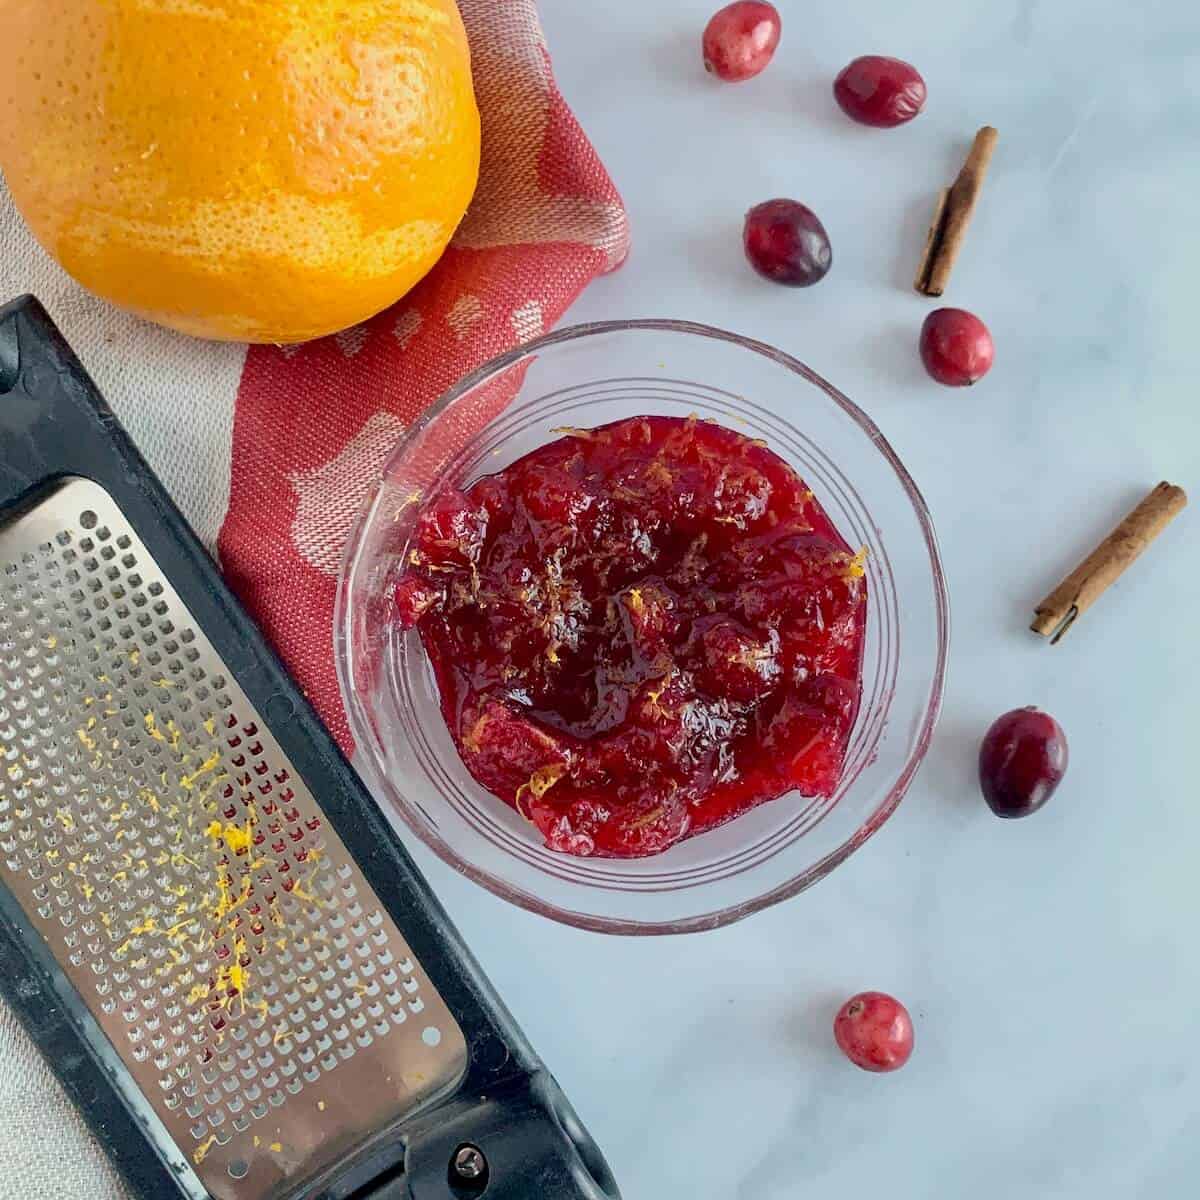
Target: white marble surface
[[1051, 965]]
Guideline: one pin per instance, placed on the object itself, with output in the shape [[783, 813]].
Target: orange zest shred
[[856, 568], [471, 738], [540, 782], [647, 818]]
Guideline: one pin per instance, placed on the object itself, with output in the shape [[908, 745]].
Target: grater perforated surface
[[183, 876]]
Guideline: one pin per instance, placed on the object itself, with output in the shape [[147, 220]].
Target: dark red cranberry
[[880, 91], [1022, 760], [740, 40], [956, 347], [874, 1031], [786, 243]]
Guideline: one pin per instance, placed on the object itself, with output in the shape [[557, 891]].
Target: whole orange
[[251, 170]]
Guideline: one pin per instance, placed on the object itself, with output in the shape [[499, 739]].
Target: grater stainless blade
[[206, 925], [185, 878]]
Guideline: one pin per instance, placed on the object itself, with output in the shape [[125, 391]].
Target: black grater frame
[[55, 425]]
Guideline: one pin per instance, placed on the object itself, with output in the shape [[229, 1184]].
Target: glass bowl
[[589, 375]]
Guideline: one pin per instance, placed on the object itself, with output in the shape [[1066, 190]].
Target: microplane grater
[[206, 923], [184, 877]]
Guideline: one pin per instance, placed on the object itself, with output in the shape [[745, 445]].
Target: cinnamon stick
[[1105, 565], [955, 207]]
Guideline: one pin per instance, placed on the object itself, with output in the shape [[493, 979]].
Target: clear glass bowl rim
[[359, 726]]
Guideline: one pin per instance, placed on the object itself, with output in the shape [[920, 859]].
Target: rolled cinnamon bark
[[955, 207], [1105, 565]]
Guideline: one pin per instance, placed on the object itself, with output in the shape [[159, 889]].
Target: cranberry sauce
[[640, 631]]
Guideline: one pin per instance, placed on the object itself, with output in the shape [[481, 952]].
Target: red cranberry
[[451, 529], [956, 347], [740, 40], [1021, 761], [786, 243], [739, 665], [880, 91], [874, 1031]]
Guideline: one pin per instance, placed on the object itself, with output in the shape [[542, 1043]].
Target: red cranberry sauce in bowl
[[639, 632], [643, 627]]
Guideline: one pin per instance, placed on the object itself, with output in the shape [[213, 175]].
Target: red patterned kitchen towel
[[314, 423]]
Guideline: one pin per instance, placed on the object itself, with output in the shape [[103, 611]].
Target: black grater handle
[[54, 424], [520, 1143]]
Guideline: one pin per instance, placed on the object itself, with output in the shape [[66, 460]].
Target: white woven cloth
[[176, 397]]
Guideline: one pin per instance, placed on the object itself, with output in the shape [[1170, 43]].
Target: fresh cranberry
[[874, 1031], [786, 243], [740, 40], [956, 347], [1022, 760], [880, 91]]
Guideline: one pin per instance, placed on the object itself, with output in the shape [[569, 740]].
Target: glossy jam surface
[[639, 632]]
